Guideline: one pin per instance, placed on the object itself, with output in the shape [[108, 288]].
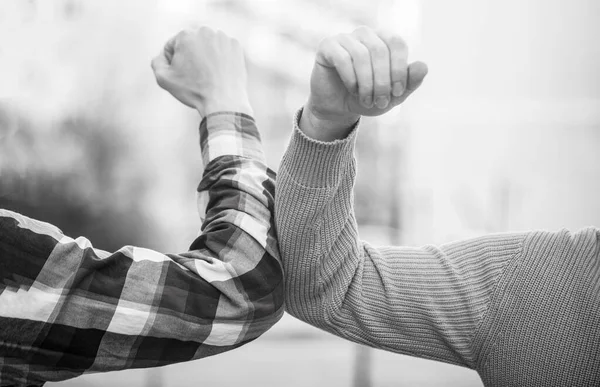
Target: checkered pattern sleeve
[[67, 308]]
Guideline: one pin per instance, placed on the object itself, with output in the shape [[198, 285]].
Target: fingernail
[[397, 89], [368, 101], [382, 102]]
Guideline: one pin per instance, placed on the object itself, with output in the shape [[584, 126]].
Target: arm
[[520, 308], [425, 301], [67, 308], [421, 301], [506, 305]]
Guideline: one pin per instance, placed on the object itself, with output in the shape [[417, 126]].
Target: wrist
[[326, 128], [238, 104]]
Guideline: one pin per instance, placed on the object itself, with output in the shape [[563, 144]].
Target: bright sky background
[[504, 134]]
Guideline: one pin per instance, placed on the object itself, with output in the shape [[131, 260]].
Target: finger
[[380, 60], [172, 44], [398, 62], [416, 73], [160, 66], [336, 56], [362, 67], [169, 49], [160, 62]]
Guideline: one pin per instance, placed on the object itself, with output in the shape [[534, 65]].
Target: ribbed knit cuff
[[318, 164]]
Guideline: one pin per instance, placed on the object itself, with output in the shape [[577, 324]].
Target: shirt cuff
[[315, 163], [230, 133]]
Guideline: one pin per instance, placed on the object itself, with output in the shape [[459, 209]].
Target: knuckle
[[326, 43], [327, 47], [340, 58], [361, 52], [189, 33], [344, 39], [185, 36], [362, 30], [379, 50], [234, 42], [397, 42], [180, 37], [205, 32]]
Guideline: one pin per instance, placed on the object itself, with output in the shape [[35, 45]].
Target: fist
[[362, 73], [204, 70]]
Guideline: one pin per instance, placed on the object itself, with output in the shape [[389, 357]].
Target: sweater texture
[[522, 308]]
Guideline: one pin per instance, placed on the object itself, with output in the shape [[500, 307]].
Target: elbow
[[265, 318], [305, 303], [262, 303], [268, 305], [260, 315]]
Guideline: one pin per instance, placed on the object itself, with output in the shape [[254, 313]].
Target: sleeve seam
[[494, 295]]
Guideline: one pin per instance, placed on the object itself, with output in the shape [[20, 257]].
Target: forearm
[[238, 227], [424, 301], [309, 176], [325, 128], [89, 310]]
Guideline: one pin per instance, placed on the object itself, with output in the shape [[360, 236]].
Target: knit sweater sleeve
[[422, 301]]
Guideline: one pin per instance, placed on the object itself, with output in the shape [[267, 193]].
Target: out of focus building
[[504, 135]]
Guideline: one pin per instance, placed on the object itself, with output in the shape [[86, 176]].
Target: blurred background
[[503, 135]]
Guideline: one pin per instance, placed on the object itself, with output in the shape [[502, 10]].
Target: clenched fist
[[362, 73], [205, 70]]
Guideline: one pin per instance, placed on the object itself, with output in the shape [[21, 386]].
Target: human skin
[[205, 70], [364, 73]]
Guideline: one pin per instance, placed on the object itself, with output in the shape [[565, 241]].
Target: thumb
[[416, 73]]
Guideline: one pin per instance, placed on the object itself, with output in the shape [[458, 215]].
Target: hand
[[204, 70], [362, 73]]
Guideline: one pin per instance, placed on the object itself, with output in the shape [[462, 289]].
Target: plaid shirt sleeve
[[68, 309]]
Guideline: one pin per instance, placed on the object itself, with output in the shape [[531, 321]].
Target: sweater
[[520, 308]]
